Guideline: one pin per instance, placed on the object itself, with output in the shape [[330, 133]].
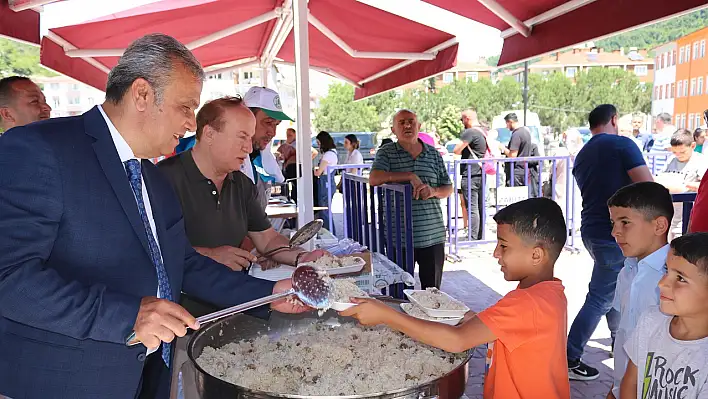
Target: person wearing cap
[[262, 167]]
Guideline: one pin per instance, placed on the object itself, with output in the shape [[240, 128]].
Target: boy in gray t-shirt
[[683, 173], [668, 349]]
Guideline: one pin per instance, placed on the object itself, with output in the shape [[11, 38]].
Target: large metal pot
[[242, 326]]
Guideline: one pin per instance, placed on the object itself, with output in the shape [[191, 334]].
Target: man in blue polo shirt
[[410, 160], [605, 164]]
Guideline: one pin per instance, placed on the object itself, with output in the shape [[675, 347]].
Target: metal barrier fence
[[687, 199], [567, 203], [360, 168], [656, 162], [382, 219]]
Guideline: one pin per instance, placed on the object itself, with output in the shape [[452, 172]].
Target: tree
[[339, 113], [447, 124], [20, 59]]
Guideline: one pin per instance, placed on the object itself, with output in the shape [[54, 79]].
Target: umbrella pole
[[305, 202]]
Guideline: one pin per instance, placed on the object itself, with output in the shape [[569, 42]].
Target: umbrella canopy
[[370, 48], [19, 23], [532, 28]]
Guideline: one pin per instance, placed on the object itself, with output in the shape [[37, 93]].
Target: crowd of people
[[98, 242]]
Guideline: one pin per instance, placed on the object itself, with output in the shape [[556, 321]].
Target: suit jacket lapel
[[107, 156]]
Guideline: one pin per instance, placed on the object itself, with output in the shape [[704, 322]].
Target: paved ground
[[478, 282]]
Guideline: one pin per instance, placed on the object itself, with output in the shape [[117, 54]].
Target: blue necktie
[[132, 168]]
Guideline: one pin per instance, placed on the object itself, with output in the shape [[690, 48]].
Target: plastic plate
[[436, 312], [453, 321]]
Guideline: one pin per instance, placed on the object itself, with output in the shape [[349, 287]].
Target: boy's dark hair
[[694, 248], [538, 220], [682, 137], [601, 115], [697, 133], [650, 199]]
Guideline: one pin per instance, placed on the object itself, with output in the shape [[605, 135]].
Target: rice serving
[[324, 360], [432, 298], [342, 289], [417, 312], [332, 262]]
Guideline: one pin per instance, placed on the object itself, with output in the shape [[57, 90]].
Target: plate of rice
[[436, 303], [416, 311], [335, 266], [341, 292]]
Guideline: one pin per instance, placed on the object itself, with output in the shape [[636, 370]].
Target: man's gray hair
[[403, 110], [664, 117], [153, 58]]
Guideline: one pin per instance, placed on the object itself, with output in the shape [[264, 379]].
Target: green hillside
[[657, 34]]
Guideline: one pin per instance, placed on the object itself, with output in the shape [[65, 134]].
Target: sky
[[475, 39]]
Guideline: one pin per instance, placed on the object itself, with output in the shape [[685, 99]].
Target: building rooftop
[[592, 57]]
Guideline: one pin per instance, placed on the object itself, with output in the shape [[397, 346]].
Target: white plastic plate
[[343, 270], [436, 312], [341, 306], [452, 321]]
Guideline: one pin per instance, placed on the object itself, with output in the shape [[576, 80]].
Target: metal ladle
[[308, 286], [303, 235]]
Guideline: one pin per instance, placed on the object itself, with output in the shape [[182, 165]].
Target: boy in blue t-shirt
[[605, 164]]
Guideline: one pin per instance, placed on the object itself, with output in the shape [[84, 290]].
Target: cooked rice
[[432, 298], [325, 360], [333, 262], [341, 289]]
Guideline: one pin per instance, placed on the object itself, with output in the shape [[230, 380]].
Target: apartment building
[[577, 60], [691, 80], [68, 97], [664, 93]]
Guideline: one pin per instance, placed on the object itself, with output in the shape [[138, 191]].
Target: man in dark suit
[[93, 242]]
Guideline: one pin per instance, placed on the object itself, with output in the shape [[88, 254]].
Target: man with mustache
[[410, 160], [21, 102]]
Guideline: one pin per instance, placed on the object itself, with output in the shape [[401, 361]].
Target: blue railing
[[382, 219], [687, 199], [567, 203], [360, 168]]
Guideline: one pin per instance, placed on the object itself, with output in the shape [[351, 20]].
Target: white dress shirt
[[126, 153]]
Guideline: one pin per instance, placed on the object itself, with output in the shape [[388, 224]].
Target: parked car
[[367, 144]]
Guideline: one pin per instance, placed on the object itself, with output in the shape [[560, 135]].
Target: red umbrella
[[368, 47], [532, 28]]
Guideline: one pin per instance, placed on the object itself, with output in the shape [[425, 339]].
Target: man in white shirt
[[262, 167]]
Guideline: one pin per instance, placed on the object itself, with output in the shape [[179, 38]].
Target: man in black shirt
[[219, 202], [520, 146], [472, 145]]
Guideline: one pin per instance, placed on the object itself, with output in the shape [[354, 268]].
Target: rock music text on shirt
[[661, 382]]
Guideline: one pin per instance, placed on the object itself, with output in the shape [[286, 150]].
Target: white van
[[533, 123]]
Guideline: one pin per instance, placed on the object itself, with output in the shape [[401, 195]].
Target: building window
[[54, 86], [683, 121], [699, 86], [681, 52], [703, 48], [688, 52], [685, 87], [690, 121], [448, 77], [55, 101], [673, 57], [641, 70], [91, 101], [473, 76], [663, 61], [695, 53], [673, 90], [74, 100], [679, 93], [693, 87], [570, 72], [247, 75], [75, 86], [698, 121]]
